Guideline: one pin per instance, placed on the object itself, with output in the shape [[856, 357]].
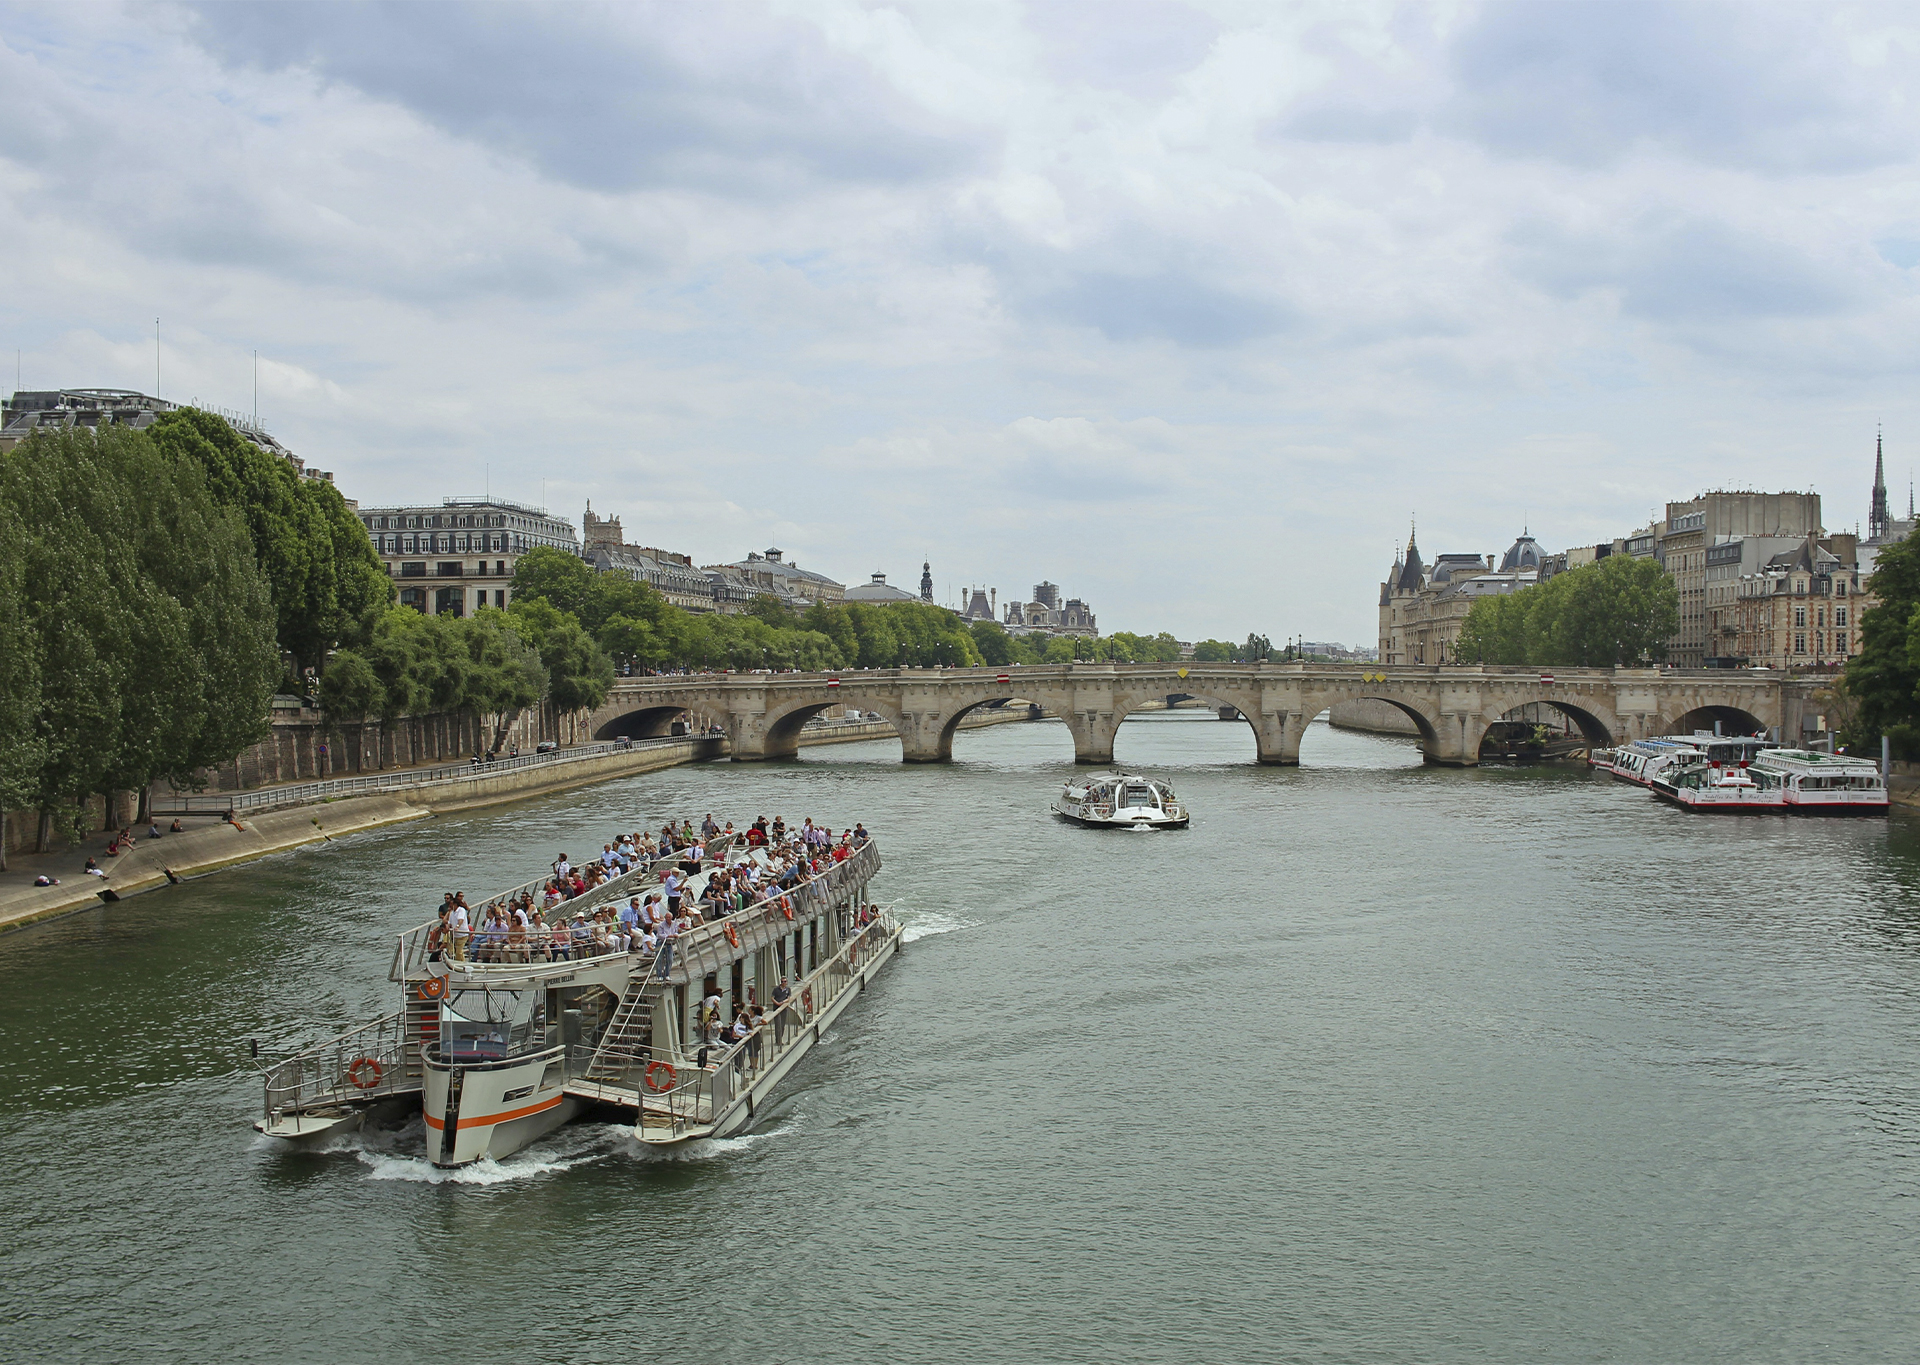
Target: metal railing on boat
[[702, 1099]]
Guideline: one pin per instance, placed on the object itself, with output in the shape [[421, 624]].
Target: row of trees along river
[[158, 586]]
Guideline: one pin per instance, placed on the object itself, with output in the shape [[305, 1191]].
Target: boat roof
[[1809, 759]]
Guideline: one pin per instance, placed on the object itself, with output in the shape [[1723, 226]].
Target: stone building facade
[[1422, 609], [670, 574], [1707, 523], [458, 557], [1802, 607]]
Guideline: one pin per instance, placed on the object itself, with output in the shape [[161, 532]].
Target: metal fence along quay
[[332, 788]]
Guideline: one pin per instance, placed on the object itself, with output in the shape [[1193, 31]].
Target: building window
[[415, 598], [500, 598], [1799, 644], [450, 568], [1799, 616], [1839, 616], [450, 602]]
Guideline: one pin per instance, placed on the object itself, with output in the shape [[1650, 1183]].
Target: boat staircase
[[613, 1074]]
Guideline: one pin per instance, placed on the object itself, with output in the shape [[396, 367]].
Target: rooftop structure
[[877, 589], [770, 574], [31, 410]]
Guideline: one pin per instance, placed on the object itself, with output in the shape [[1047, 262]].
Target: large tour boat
[[1121, 801], [495, 1053], [1643, 760], [1825, 784]]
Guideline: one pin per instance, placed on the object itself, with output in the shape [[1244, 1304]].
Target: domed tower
[[1525, 553], [926, 580]]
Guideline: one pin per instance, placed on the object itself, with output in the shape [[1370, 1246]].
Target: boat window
[[492, 1023], [1140, 796]]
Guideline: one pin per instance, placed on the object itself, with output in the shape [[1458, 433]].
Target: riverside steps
[[765, 715]]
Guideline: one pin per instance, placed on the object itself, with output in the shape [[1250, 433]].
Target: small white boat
[[1121, 801]]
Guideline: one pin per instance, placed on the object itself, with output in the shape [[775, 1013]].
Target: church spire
[[926, 580], [1879, 520]]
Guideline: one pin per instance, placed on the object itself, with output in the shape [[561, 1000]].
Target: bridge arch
[[1125, 705], [643, 722], [780, 727], [1733, 720], [1598, 727]]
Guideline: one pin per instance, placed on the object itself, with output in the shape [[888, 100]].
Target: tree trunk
[[145, 813], [3, 840], [45, 832]]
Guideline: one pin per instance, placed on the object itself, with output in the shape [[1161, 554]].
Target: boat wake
[[925, 924], [581, 1145]]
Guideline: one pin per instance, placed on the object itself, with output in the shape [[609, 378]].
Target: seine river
[[1375, 1063]]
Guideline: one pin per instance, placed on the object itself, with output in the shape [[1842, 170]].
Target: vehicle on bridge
[[1121, 801]]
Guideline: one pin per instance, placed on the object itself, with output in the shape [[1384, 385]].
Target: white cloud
[[1241, 287]]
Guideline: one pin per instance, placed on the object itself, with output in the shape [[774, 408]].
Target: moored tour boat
[[494, 1053], [1711, 787], [1825, 784], [1121, 801]]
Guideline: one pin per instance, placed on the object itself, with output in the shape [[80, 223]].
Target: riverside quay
[[1451, 707]]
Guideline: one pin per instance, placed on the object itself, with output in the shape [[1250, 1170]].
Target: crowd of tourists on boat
[[536, 926]]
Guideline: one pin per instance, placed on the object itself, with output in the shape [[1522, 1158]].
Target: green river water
[[1375, 1063]]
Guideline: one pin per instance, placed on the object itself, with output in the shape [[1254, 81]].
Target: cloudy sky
[[1188, 307]]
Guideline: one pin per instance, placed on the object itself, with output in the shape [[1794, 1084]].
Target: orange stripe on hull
[[464, 1122]]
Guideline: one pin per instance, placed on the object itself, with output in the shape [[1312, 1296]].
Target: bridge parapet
[[1451, 706]]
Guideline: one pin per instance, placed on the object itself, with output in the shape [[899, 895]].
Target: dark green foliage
[[549, 575], [142, 641], [1614, 614], [325, 577], [1883, 679]]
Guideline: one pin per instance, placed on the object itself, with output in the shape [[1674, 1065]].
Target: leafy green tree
[[579, 672], [1213, 652], [1613, 614], [143, 634], [993, 642], [323, 573], [766, 608], [561, 580], [350, 689], [21, 746], [1884, 677]]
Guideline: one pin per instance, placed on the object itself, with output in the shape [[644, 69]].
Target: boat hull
[[1145, 820], [491, 1110]]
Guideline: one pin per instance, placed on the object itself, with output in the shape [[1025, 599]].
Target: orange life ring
[[358, 1073], [733, 936], [806, 1000], [654, 1071], [433, 987], [786, 904]]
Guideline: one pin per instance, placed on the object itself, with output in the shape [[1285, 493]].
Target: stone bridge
[[1451, 707]]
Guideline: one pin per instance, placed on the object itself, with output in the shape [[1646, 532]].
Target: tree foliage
[[1883, 679], [139, 630], [1614, 614], [325, 578]]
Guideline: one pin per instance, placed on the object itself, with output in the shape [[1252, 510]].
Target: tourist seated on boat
[[860, 835]]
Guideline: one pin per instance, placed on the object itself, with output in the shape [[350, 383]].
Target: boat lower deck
[[687, 1100]]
